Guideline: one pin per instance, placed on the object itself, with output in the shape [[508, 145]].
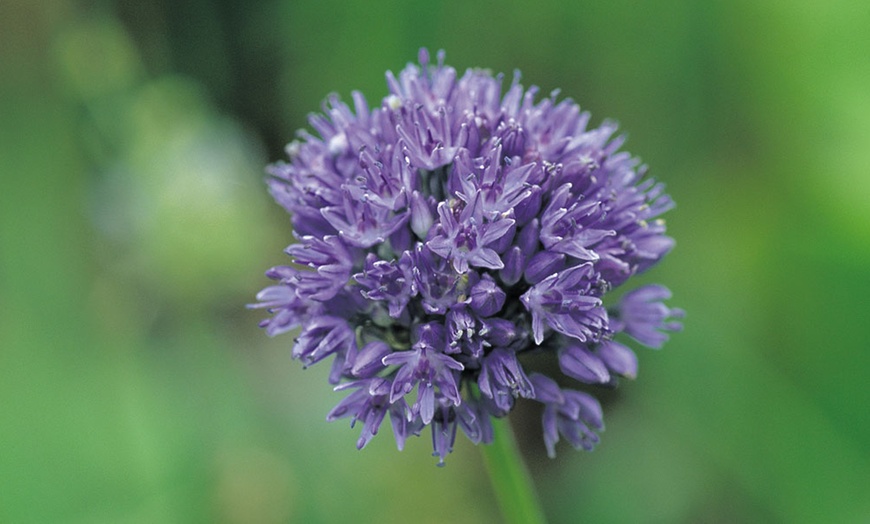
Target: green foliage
[[134, 224]]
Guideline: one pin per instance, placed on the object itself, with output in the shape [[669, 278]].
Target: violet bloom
[[449, 231]]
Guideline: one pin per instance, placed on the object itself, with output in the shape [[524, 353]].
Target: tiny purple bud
[[580, 363], [529, 238], [421, 215], [486, 297], [544, 264], [499, 332], [514, 265], [618, 358]]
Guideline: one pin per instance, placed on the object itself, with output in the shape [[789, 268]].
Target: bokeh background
[[134, 226]]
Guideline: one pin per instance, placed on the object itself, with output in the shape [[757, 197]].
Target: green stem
[[510, 478]]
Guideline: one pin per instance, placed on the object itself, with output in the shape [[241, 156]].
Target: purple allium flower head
[[451, 230]]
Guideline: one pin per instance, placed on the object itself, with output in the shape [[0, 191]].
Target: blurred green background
[[134, 226]]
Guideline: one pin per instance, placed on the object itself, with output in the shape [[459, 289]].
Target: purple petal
[[580, 363], [618, 358]]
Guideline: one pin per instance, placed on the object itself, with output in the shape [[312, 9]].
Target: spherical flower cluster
[[451, 231]]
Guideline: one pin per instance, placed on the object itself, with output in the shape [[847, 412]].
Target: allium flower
[[450, 231]]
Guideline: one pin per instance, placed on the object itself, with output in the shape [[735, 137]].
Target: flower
[[451, 230]]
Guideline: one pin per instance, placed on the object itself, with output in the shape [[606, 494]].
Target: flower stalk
[[510, 477]]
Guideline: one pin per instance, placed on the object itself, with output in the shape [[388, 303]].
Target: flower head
[[449, 231]]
